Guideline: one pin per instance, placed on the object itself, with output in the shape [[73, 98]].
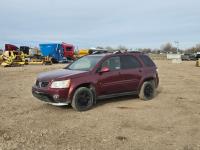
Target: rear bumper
[[51, 96]]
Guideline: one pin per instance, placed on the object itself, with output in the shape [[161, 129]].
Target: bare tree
[[120, 47], [193, 49], [167, 48], [109, 48], [145, 50], [99, 47], [198, 48]]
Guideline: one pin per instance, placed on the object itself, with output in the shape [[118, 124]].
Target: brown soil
[[170, 121]]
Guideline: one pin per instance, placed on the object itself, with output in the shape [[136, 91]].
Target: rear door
[[131, 73]]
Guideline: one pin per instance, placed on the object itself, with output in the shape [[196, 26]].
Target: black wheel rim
[[84, 99], [148, 91]]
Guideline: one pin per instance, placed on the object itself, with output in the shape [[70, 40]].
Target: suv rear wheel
[[147, 90], [83, 99]]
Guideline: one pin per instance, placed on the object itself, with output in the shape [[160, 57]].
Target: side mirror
[[104, 69]]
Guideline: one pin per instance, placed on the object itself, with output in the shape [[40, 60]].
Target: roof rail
[[98, 51], [102, 51], [125, 51], [134, 52], [117, 52]]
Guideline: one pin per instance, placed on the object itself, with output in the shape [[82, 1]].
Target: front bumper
[[52, 96]]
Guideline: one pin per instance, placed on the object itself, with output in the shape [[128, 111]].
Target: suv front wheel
[[83, 99], [147, 91]]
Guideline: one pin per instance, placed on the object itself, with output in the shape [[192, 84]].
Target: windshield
[[85, 63]]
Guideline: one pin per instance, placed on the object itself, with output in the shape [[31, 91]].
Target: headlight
[[60, 84]]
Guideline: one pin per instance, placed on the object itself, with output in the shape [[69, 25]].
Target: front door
[[110, 82]]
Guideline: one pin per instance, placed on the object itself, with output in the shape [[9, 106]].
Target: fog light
[[55, 97]]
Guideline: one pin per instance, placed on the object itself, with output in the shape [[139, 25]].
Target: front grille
[[41, 84]]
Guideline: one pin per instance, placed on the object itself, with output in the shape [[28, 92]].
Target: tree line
[[164, 48]]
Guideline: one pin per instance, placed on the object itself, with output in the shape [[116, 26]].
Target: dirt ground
[[171, 121]]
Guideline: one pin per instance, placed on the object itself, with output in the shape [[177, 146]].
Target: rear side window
[[129, 62], [147, 61]]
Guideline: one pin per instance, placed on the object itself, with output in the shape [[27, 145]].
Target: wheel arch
[[144, 80], [88, 85]]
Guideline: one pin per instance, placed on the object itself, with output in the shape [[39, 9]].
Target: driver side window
[[112, 63]]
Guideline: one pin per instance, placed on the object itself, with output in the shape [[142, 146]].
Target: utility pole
[[177, 46]]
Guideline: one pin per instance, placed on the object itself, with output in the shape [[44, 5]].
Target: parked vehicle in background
[[188, 57], [10, 47], [198, 55], [58, 51], [12, 56], [98, 76], [192, 57], [83, 52], [24, 49]]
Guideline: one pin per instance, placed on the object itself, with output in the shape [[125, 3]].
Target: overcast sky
[[91, 23]]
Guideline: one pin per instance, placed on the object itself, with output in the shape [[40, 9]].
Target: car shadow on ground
[[158, 91], [100, 103], [115, 100], [124, 98]]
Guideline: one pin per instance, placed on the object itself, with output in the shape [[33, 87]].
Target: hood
[[59, 74]]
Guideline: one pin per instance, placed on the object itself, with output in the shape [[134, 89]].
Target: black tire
[[147, 91], [83, 99]]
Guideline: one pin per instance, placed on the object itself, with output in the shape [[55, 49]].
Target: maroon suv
[[98, 76]]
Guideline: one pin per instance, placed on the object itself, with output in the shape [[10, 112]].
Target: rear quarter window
[[129, 62], [147, 61]]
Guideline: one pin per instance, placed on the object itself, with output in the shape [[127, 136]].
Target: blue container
[[53, 50]]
